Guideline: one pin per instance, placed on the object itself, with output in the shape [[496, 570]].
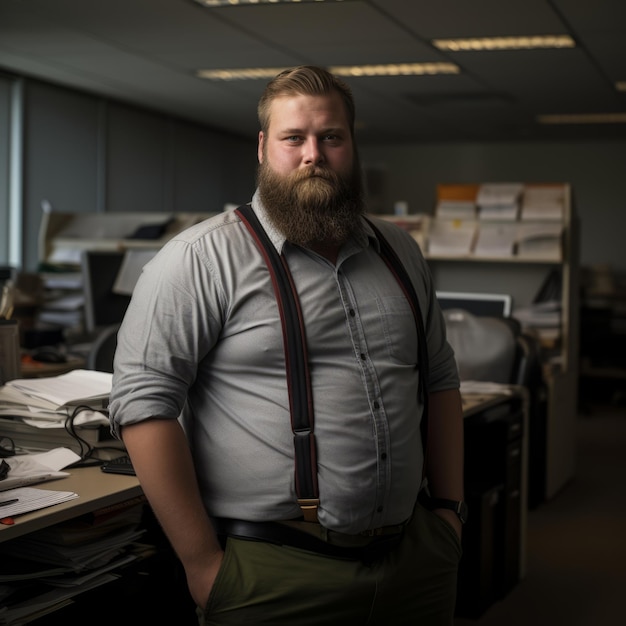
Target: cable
[[86, 449]]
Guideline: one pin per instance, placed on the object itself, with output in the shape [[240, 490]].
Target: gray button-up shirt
[[202, 342]]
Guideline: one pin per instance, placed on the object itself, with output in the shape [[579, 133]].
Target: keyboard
[[119, 465]]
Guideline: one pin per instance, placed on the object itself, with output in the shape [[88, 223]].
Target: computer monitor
[[490, 304], [103, 307]]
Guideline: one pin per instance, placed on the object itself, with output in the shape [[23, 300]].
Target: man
[[200, 396]]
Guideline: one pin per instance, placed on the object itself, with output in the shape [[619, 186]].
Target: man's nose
[[313, 154]]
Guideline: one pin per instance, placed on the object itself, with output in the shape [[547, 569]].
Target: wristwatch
[[458, 506]]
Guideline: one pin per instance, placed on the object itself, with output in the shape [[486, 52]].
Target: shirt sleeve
[[170, 324]]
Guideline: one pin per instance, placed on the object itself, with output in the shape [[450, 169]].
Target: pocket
[[219, 580], [399, 328], [441, 528]]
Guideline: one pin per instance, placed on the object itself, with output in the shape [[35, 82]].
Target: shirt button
[[363, 357], [383, 456], [379, 509], [352, 313], [376, 405]]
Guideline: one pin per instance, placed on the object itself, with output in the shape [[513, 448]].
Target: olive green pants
[[265, 584]]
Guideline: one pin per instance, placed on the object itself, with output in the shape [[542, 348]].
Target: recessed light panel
[[352, 71], [234, 3], [504, 43], [583, 118]]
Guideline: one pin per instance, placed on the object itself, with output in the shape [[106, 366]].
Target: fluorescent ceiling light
[[234, 3], [583, 118], [504, 43], [246, 73], [396, 69], [353, 71]]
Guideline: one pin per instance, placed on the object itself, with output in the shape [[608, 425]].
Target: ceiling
[[146, 52]]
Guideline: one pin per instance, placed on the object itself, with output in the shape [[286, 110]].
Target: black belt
[[280, 534]]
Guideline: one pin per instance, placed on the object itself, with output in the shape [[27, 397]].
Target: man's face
[[307, 131], [309, 175]]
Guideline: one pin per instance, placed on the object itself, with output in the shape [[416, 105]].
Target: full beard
[[314, 205]]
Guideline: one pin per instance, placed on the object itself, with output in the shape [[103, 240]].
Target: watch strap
[[458, 506]]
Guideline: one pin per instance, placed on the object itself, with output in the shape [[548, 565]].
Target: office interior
[[108, 119]]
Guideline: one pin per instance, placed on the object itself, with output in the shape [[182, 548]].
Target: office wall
[[155, 163], [595, 169], [86, 154], [60, 157]]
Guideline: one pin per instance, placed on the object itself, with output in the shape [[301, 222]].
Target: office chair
[[485, 347], [495, 349], [102, 350]]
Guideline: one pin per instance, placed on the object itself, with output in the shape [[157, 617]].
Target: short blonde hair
[[306, 80]]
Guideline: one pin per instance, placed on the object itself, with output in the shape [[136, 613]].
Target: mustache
[[315, 172]]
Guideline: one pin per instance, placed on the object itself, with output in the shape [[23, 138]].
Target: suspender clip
[[309, 508]]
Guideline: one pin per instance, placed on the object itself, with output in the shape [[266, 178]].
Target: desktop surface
[[95, 489]]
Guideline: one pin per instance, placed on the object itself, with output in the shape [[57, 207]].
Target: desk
[[494, 537], [95, 490], [150, 591]]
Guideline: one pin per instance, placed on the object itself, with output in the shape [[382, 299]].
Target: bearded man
[[201, 400]]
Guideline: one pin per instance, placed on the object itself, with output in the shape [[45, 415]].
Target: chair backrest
[[102, 350], [485, 347]]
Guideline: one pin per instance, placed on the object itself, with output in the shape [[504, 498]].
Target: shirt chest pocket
[[398, 323]]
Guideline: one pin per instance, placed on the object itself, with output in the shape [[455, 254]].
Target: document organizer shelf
[[546, 210]]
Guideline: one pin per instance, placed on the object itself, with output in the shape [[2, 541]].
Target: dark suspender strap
[[298, 379], [398, 270]]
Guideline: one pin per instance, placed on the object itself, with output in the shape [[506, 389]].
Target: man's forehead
[[286, 109]]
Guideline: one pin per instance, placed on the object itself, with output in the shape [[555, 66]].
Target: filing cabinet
[[492, 538]]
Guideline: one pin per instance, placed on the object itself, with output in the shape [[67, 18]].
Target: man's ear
[[260, 147]]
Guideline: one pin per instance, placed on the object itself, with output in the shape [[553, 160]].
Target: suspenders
[[298, 379]]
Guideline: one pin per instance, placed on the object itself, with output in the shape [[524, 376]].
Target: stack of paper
[[543, 202], [29, 469], [499, 201], [32, 434], [456, 202], [64, 301], [456, 209], [45, 569], [540, 241], [78, 387], [29, 499], [542, 319], [496, 239], [43, 413], [451, 237]]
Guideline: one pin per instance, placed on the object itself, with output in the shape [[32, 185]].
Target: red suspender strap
[[298, 380]]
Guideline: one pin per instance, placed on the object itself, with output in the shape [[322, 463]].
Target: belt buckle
[[372, 532]]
